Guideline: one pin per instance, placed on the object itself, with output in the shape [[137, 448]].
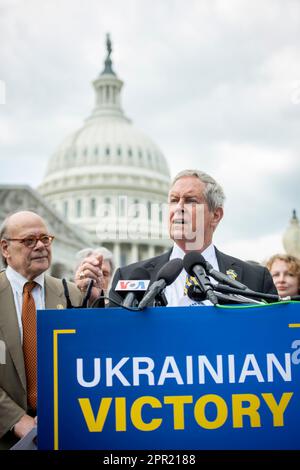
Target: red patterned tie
[[29, 343]]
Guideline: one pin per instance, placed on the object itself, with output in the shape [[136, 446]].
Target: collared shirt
[[17, 282], [175, 292]]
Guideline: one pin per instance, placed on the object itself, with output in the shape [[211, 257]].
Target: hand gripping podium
[[212, 378]]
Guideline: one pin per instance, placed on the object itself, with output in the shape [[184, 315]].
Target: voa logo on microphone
[[124, 285]]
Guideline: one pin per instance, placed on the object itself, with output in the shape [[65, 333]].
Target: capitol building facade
[[110, 179], [107, 182], [106, 185]]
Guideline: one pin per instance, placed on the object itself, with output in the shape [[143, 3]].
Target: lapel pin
[[231, 273]]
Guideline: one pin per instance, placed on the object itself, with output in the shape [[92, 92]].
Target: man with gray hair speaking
[[196, 203]]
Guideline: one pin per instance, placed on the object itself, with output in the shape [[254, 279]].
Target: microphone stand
[[88, 294], [195, 293], [247, 293], [161, 300]]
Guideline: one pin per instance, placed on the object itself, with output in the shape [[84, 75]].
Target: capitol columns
[[151, 251], [117, 253], [134, 253]]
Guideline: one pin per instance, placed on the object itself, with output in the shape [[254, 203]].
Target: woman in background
[[285, 270]]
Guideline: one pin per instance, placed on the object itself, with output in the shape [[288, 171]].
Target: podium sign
[[169, 378]]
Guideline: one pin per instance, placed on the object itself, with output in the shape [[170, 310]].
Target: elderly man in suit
[[24, 288], [196, 203]]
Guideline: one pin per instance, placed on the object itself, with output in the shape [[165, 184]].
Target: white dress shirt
[[175, 292], [17, 282]]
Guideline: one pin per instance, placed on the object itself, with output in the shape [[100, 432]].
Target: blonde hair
[[292, 262]]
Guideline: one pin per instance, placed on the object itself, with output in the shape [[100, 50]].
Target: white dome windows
[[102, 151], [140, 155], [122, 205], [149, 204], [106, 154], [78, 208], [136, 213], [119, 155], [67, 158], [65, 208], [130, 155], [95, 155], [84, 155], [149, 157], [107, 207], [93, 207]]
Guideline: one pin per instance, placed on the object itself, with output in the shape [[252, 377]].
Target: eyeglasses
[[30, 242]]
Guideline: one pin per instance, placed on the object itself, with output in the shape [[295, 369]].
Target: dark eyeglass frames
[[30, 242]]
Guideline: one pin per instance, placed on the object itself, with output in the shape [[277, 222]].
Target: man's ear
[[4, 246], [218, 216]]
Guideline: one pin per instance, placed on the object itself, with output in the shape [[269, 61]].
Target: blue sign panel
[[169, 378]]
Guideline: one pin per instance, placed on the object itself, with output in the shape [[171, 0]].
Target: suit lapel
[[54, 298], [154, 266], [227, 263], [54, 294], [10, 328]]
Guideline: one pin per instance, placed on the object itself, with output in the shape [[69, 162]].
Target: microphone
[[294, 297], [218, 276], [248, 293], [291, 297], [88, 294], [195, 293], [194, 268], [165, 276], [134, 287]]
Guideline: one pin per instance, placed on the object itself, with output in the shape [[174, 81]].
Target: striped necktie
[[29, 343], [189, 281]]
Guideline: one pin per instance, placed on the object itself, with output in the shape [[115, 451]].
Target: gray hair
[[3, 228], [213, 192], [101, 250], [3, 234]]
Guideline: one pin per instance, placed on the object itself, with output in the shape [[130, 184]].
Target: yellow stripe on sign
[[294, 325], [55, 381]]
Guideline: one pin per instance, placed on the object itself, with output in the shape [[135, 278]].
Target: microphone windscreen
[[136, 275], [195, 293], [191, 259], [170, 271], [139, 273]]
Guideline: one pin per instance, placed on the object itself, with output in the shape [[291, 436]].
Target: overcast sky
[[216, 84]]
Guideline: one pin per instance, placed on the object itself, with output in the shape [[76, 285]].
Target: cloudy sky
[[216, 84]]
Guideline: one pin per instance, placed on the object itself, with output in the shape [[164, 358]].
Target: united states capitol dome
[[105, 161], [107, 143]]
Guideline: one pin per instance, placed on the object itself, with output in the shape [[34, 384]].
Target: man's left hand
[[90, 268]]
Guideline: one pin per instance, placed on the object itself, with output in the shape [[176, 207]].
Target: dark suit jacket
[[256, 278], [13, 397]]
